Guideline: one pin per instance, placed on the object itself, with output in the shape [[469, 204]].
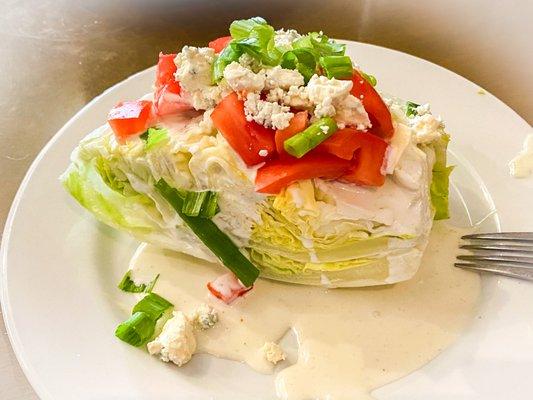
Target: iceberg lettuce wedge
[[314, 232]]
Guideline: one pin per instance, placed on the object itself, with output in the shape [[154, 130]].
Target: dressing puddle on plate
[[350, 341]]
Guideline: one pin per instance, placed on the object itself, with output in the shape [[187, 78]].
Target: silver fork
[[504, 253]]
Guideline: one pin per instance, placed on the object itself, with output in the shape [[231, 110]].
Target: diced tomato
[[167, 99], [368, 161], [262, 140], [227, 288], [297, 124], [342, 143], [220, 44], [374, 105], [278, 174], [249, 139], [165, 70], [130, 118]]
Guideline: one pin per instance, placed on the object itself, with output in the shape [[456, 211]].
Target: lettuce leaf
[[110, 200], [440, 182]]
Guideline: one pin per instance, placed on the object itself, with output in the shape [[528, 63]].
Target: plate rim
[[17, 347]]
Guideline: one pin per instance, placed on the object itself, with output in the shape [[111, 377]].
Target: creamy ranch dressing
[[351, 341], [522, 165]]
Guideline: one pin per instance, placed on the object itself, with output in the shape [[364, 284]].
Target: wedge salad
[[273, 153]]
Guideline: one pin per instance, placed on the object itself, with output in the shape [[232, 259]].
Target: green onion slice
[[216, 240], [305, 141], [338, 67], [410, 110], [153, 305], [199, 204], [203, 204], [127, 284], [136, 330]]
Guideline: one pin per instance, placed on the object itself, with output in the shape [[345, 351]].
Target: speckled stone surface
[[55, 56]]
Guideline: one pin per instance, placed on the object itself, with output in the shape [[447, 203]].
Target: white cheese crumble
[[176, 342], [266, 113], [240, 78], [283, 78], [204, 317], [247, 61], [423, 109], [273, 352], [329, 97], [324, 92], [350, 111], [426, 127], [296, 97], [284, 37], [194, 74]]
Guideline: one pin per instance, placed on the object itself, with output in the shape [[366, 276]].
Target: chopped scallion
[[136, 330], [151, 285], [411, 107], [305, 141], [203, 204], [210, 205], [193, 203], [153, 305], [199, 204], [128, 285], [216, 240], [338, 67]]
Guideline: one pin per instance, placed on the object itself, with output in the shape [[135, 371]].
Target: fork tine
[[511, 236], [508, 248], [499, 258], [506, 270]]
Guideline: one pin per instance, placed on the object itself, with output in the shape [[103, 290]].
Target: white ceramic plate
[[60, 267]]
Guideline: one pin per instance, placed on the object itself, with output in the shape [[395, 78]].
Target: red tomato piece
[[262, 142], [278, 174], [227, 288], [366, 168], [167, 99], [374, 105], [220, 44], [342, 143], [248, 139], [130, 118], [297, 124], [165, 70]]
